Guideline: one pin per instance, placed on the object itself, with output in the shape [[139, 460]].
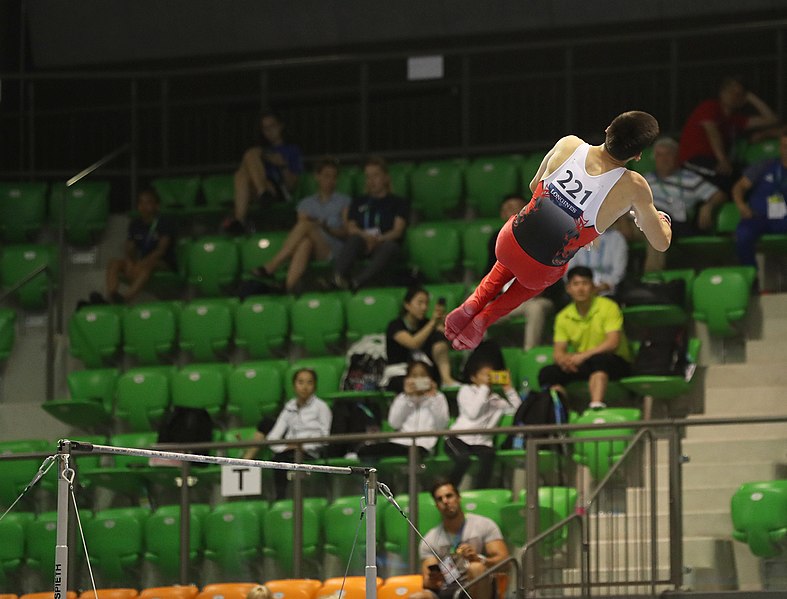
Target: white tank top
[[573, 184], [561, 216]]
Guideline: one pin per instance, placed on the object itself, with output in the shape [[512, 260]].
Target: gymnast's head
[[629, 134]]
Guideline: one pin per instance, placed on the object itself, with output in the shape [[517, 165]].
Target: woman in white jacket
[[420, 407], [479, 407]]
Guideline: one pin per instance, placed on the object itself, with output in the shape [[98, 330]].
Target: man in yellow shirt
[[589, 342]]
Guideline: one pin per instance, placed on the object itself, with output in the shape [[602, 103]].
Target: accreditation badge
[[777, 208]]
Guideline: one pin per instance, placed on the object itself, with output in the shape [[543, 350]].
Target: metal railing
[[354, 104], [577, 539]]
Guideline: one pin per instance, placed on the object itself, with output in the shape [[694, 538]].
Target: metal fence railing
[[595, 515]]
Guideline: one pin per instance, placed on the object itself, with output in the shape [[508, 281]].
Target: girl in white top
[[479, 407], [420, 407]]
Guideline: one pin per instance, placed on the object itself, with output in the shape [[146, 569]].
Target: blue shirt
[[292, 156], [769, 180]]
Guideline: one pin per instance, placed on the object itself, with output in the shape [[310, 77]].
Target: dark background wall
[[91, 32]]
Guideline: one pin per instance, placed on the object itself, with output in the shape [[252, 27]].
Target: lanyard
[[457, 538], [367, 215]]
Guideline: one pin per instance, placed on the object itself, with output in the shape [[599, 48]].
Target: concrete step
[[632, 573], [716, 499], [765, 351], [757, 400], [735, 432], [746, 376], [760, 448], [773, 307], [705, 475]]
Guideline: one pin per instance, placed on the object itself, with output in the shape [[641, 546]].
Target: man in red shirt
[[713, 127]]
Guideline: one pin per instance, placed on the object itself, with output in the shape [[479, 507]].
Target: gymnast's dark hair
[[630, 133]]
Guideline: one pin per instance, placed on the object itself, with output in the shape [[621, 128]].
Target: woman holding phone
[[412, 336]]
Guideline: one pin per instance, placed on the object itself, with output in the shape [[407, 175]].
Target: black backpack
[[366, 360], [186, 425], [539, 407], [662, 352]]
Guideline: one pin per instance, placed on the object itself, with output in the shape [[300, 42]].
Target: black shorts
[[615, 367]]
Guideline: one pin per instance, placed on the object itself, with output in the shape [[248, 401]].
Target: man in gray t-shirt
[[468, 545]]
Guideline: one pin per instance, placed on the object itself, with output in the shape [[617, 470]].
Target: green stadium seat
[[257, 249], [721, 297], [550, 462], [94, 335], [348, 181], [127, 476], [666, 386], [370, 310], [341, 521], [454, 294], [645, 164], [200, 386], [12, 549], [18, 261], [212, 264], [86, 210], [530, 364], [486, 502], [759, 517], [488, 181], [242, 433], [262, 325], [15, 475], [115, 538], [317, 322], [91, 402], [232, 538], [528, 169], [254, 390], [396, 530], [178, 195], [434, 250], [511, 361], [40, 538], [762, 150], [162, 538], [22, 210], [436, 188], [600, 456], [142, 398], [662, 314], [475, 244], [554, 504], [149, 331], [219, 194], [727, 218], [278, 527], [7, 332], [329, 371], [400, 173], [206, 328]]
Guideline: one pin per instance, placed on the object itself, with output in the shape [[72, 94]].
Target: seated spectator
[[688, 198], [589, 341], [375, 227], [607, 257], [467, 544], [268, 171], [479, 407], [320, 231], [414, 337], [150, 246], [259, 592], [420, 407], [303, 416], [710, 132], [536, 310], [760, 197]]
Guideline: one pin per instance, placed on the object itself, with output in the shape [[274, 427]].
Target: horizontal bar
[[79, 446]]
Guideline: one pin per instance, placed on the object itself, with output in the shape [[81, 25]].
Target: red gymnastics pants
[[465, 326]]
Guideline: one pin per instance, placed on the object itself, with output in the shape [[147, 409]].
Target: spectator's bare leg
[[294, 238], [597, 384], [250, 180], [139, 278], [116, 267], [299, 263], [443, 363]]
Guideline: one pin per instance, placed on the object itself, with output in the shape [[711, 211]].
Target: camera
[[499, 377], [422, 383]]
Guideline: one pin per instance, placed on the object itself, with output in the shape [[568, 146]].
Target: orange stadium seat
[[227, 590], [397, 587], [294, 588], [48, 595], [110, 594], [170, 592]]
